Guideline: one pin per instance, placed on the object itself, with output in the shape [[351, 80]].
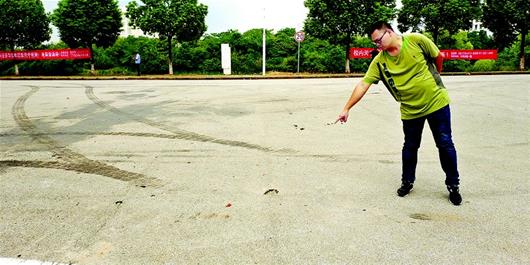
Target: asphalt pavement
[[255, 172]]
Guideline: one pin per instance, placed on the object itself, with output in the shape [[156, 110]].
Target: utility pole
[[264, 43]]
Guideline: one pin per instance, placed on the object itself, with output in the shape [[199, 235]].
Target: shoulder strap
[[390, 87]]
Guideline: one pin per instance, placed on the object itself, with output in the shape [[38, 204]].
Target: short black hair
[[378, 25]]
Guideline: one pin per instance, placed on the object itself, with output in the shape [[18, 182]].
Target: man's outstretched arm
[[356, 95]]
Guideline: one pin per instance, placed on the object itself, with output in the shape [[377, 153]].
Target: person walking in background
[[409, 67], [137, 62]]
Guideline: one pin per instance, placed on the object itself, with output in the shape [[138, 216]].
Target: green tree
[[283, 51], [120, 55], [459, 40], [437, 15], [508, 59], [480, 40], [85, 23], [507, 19], [338, 21], [179, 20], [248, 51], [24, 25], [319, 56]]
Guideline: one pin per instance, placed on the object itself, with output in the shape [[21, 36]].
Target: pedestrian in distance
[[137, 61], [409, 66]]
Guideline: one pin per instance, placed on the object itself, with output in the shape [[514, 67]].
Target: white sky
[[242, 15]]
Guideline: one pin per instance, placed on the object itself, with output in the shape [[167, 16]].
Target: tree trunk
[[435, 36], [347, 66], [170, 54], [521, 50], [92, 61], [17, 72]]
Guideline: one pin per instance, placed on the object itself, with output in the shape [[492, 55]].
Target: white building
[[477, 26], [127, 30]]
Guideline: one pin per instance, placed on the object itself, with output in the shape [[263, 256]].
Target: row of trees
[[204, 56], [331, 26]]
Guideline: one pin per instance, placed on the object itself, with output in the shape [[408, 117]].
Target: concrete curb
[[231, 77]]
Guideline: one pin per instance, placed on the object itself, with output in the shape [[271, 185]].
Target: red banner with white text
[[37, 55], [469, 54], [360, 53], [365, 53]]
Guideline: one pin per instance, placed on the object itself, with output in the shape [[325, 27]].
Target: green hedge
[[484, 66]]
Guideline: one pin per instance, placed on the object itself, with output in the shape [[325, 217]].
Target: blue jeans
[[440, 124]]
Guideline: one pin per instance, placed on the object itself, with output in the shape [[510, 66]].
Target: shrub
[[456, 66], [109, 72], [484, 66], [508, 59]]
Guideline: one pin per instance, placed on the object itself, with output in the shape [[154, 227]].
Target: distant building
[[477, 26], [130, 31]]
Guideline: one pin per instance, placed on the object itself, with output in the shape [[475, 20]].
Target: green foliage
[[204, 56], [438, 15], [484, 66], [283, 51], [506, 19], [480, 40], [122, 52], [112, 71], [462, 41], [7, 68], [457, 66], [246, 52], [507, 59], [319, 56], [340, 20], [83, 23], [459, 41], [24, 24], [179, 20]]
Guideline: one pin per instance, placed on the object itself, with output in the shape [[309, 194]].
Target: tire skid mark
[[77, 167], [152, 135], [181, 134], [70, 159]]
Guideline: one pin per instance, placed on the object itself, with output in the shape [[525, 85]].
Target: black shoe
[[454, 195], [404, 189]]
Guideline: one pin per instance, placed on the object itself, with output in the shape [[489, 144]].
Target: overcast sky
[[242, 15]]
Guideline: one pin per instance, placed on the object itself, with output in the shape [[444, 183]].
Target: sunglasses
[[380, 39]]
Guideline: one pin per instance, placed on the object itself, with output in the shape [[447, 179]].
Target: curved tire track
[[181, 134], [70, 159]]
